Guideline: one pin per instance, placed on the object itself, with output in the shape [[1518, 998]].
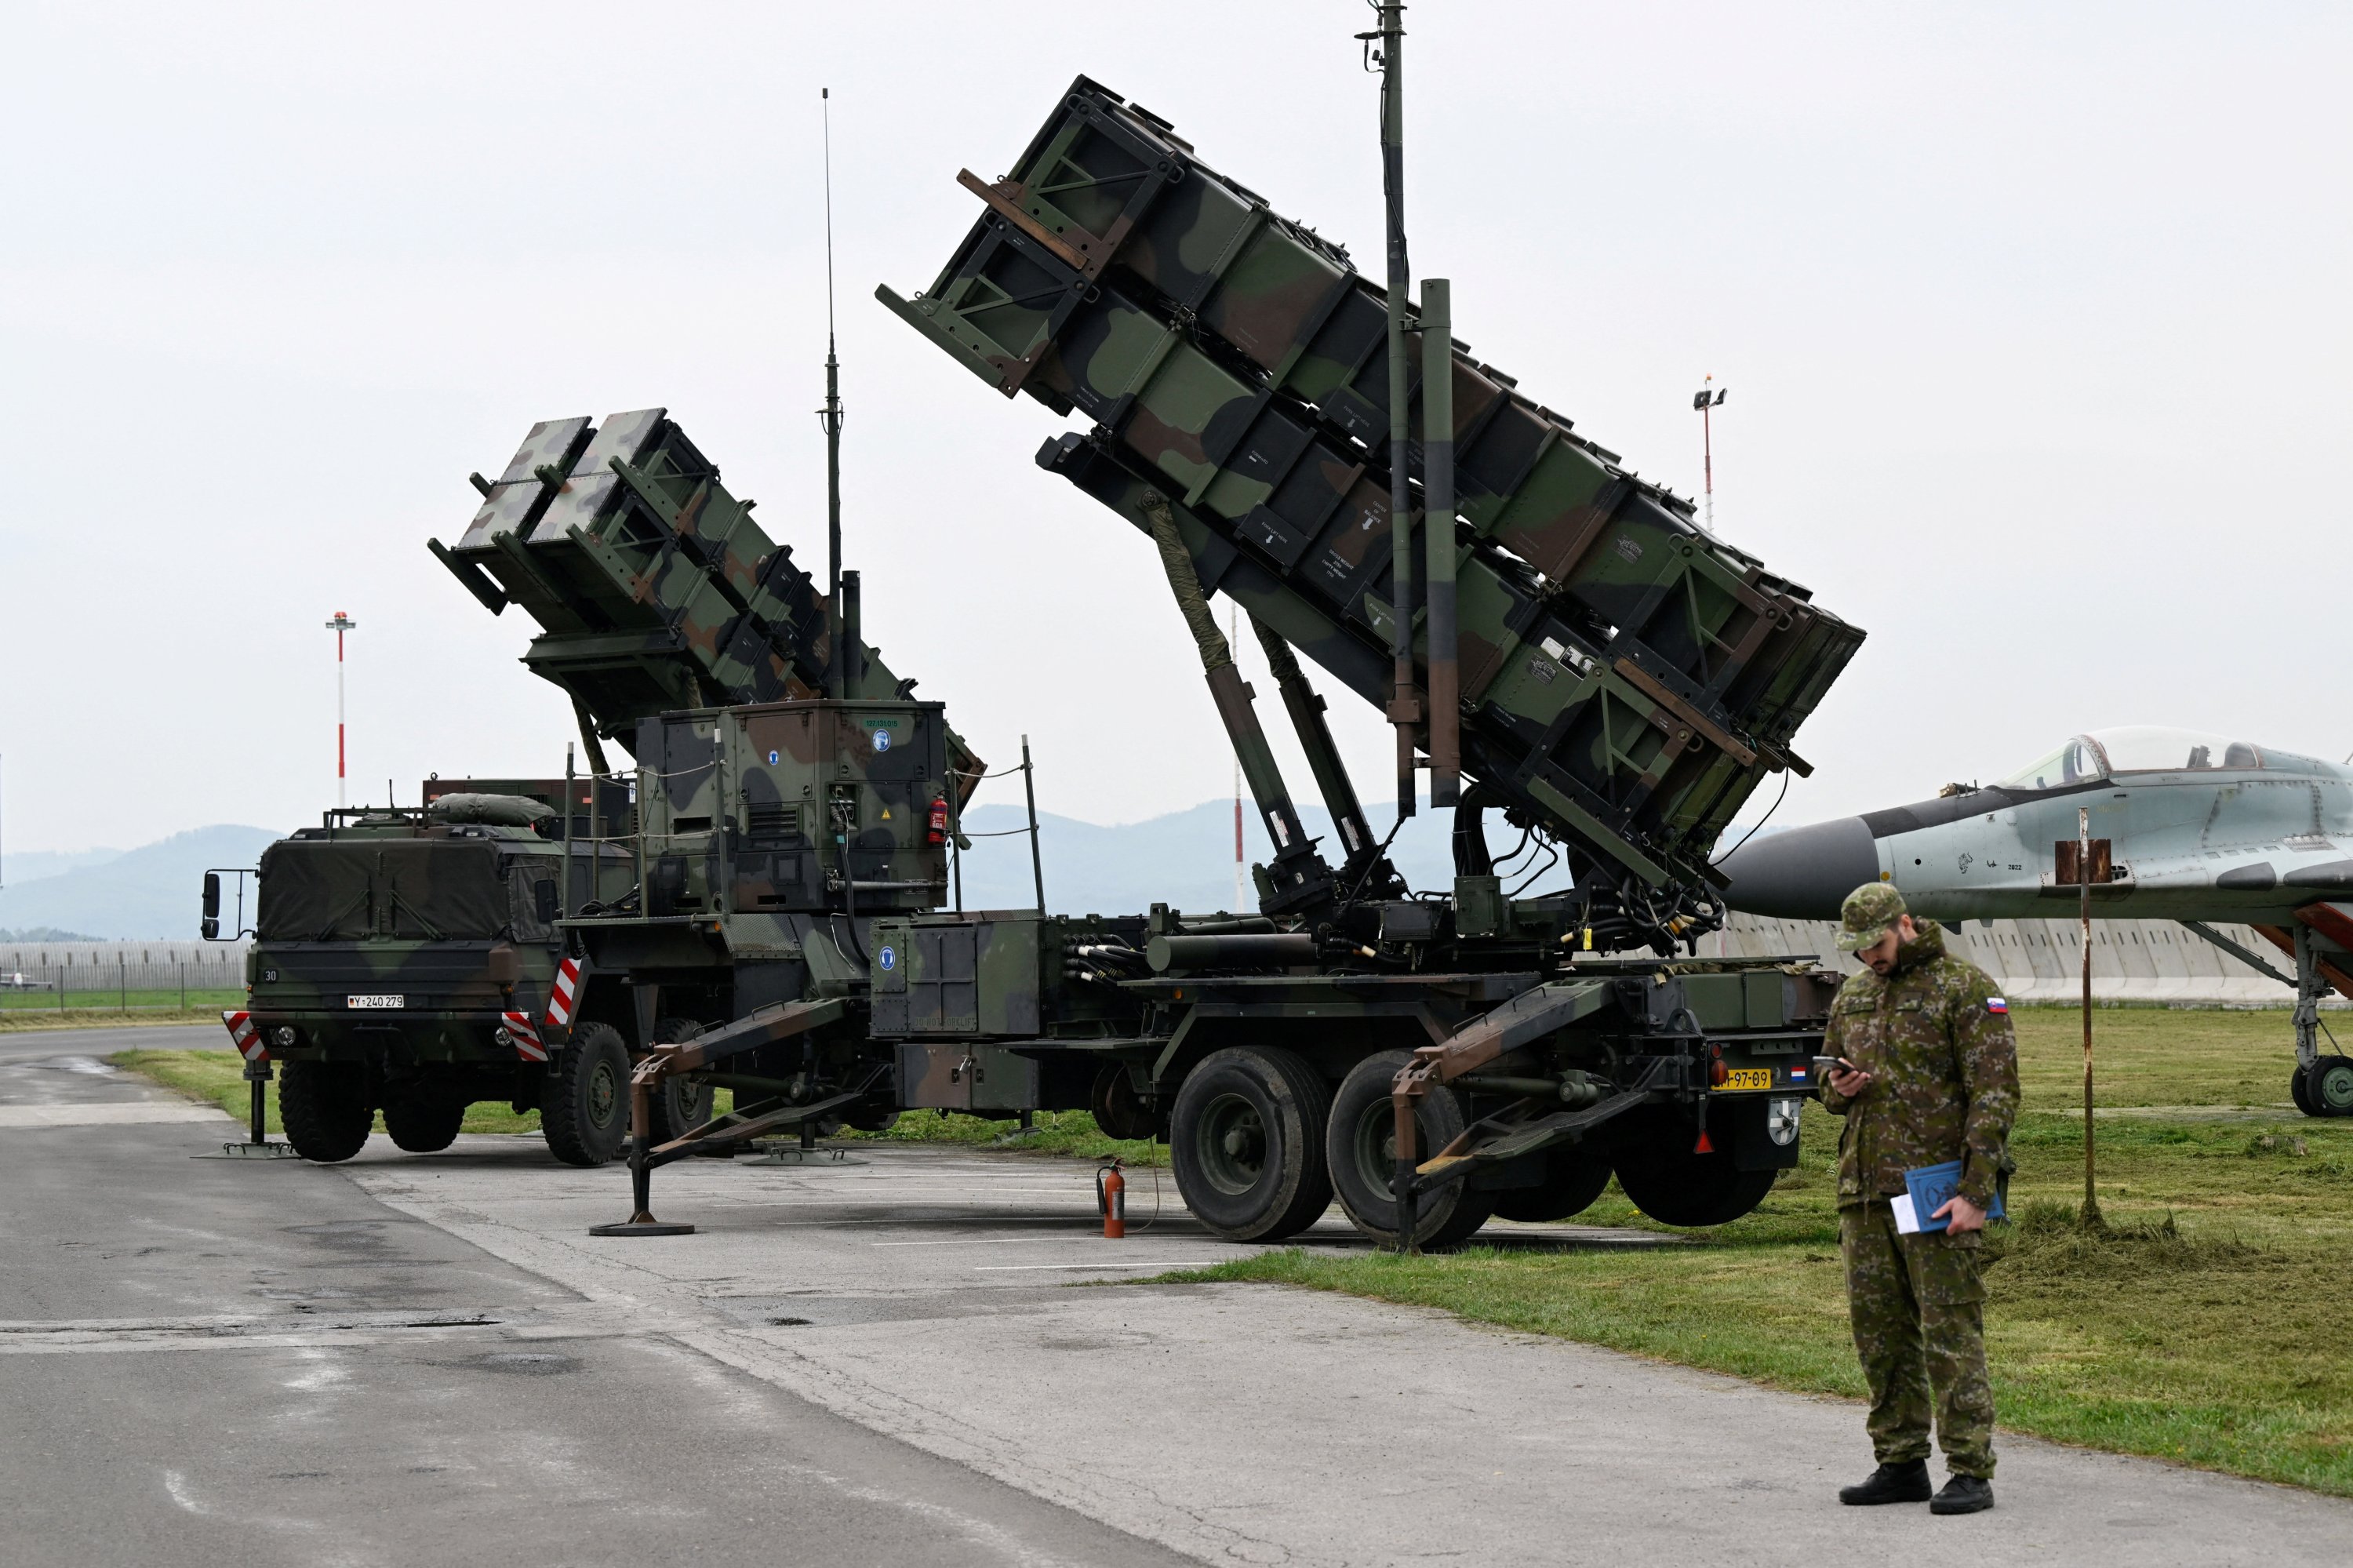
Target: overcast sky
[[2033, 317]]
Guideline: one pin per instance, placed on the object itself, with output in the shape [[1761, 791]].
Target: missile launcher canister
[[654, 589], [1626, 678]]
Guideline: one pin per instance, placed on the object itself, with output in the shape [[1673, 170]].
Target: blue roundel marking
[[771, 760], [882, 740], [889, 957]]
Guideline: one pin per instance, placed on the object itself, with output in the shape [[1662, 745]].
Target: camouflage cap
[[1866, 916]]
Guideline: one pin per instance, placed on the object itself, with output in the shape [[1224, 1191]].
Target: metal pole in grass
[[2084, 919]]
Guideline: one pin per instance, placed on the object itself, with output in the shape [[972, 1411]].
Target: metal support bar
[[2244, 955], [1405, 697], [1331, 781], [1438, 534]]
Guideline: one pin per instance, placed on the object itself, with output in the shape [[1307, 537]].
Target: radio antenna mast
[[838, 658]]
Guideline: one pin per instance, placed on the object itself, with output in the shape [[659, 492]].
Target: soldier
[[1928, 1073]]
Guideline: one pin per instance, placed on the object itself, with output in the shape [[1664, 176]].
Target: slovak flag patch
[[1995, 1004]]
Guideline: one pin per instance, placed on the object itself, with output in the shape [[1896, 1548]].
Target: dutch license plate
[[1748, 1078], [375, 1002]]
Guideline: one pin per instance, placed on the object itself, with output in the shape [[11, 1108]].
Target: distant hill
[[46, 934], [143, 893], [31, 865]]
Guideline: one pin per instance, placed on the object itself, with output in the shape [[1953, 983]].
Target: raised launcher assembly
[[1626, 679], [655, 589]]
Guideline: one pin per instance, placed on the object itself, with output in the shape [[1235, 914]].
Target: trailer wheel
[[1363, 1136], [585, 1113], [1247, 1141], [2328, 1086], [325, 1110], [682, 1106], [1574, 1178], [421, 1121], [1675, 1187]]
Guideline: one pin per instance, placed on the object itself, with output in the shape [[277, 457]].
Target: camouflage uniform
[[1936, 1039]]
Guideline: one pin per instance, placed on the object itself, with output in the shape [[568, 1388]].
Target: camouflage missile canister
[[1625, 676], [654, 587]]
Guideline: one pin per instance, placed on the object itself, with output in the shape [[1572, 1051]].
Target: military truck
[[410, 961]]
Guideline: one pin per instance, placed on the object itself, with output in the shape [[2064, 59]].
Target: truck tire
[[421, 1121], [1667, 1181], [1247, 1142], [325, 1110], [1362, 1135], [1574, 1178], [585, 1113], [682, 1106]]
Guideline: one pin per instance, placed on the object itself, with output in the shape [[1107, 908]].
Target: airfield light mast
[[341, 624], [1703, 403]]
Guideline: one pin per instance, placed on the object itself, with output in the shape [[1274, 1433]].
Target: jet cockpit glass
[[2133, 748], [2077, 762]]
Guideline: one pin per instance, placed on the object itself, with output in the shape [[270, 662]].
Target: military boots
[[1906, 1482], [1963, 1494]]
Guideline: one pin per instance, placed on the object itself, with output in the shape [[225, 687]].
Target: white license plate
[[365, 1001]]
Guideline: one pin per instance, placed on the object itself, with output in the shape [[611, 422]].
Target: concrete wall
[[30, 955], [2149, 962]]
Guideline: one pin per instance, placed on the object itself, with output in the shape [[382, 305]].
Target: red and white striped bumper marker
[[562, 994], [526, 1039], [246, 1035]]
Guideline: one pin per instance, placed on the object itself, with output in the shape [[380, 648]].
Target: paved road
[[210, 1361], [922, 1297]]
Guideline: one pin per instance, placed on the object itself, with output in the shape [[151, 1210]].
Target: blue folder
[[1932, 1186]]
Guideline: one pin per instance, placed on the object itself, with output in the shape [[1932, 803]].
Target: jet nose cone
[[1804, 873]]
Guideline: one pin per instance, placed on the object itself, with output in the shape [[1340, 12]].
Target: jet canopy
[[2133, 748]]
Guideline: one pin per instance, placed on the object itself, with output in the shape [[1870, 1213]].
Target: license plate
[[1748, 1078], [378, 1002]]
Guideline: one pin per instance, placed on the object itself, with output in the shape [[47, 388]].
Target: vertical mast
[[837, 659], [1405, 702]]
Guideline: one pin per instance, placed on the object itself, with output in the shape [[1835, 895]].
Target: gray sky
[[2033, 317]]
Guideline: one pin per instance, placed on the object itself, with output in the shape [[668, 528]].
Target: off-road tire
[[1362, 1135], [325, 1110], [1666, 1181], [1247, 1143], [421, 1121], [681, 1107], [585, 1115], [2328, 1086], [1574, 1178]]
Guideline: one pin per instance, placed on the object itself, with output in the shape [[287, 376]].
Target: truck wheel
[[1574, 1177], [1247, 1142], [1363, 1138], [682, 1106], [1676, 1187], [421, 1121], [585, 1113], [2328, 1086], [325, 1110]]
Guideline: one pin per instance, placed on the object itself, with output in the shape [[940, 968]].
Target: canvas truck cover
[[1626, 678], [408, 889]]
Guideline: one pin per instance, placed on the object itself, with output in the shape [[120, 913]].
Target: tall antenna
[[838, 658]]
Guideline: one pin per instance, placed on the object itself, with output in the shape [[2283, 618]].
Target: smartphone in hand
[[1825, 1065]]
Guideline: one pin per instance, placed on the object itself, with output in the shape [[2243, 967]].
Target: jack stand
[[258, 1146], [794, 1154], [641, 1221]]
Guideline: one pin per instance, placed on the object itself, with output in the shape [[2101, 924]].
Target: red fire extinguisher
[[938, 832], [1111, 1197]]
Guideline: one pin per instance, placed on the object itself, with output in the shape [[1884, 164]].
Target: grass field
[[43, 1009], [2200, 1327], [29, 1020]]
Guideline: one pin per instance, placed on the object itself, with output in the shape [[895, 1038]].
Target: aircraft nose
[[1804, 873]]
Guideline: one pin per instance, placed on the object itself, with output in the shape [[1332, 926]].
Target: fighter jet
[[2188, 826]]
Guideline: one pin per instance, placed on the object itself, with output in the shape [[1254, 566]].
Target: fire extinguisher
[[1111, 1197], [937, 834]]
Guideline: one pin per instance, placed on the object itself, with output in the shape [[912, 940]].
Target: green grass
[[101, 999], [2200, 1327], [218, 1077], [28, 1020]]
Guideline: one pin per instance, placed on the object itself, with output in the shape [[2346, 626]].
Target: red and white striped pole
[[341, 624]]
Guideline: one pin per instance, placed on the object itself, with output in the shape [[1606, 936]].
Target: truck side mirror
[[211, 924]]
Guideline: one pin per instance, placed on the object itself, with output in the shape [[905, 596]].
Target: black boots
[[1963, 1494], [1906, 1482]]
